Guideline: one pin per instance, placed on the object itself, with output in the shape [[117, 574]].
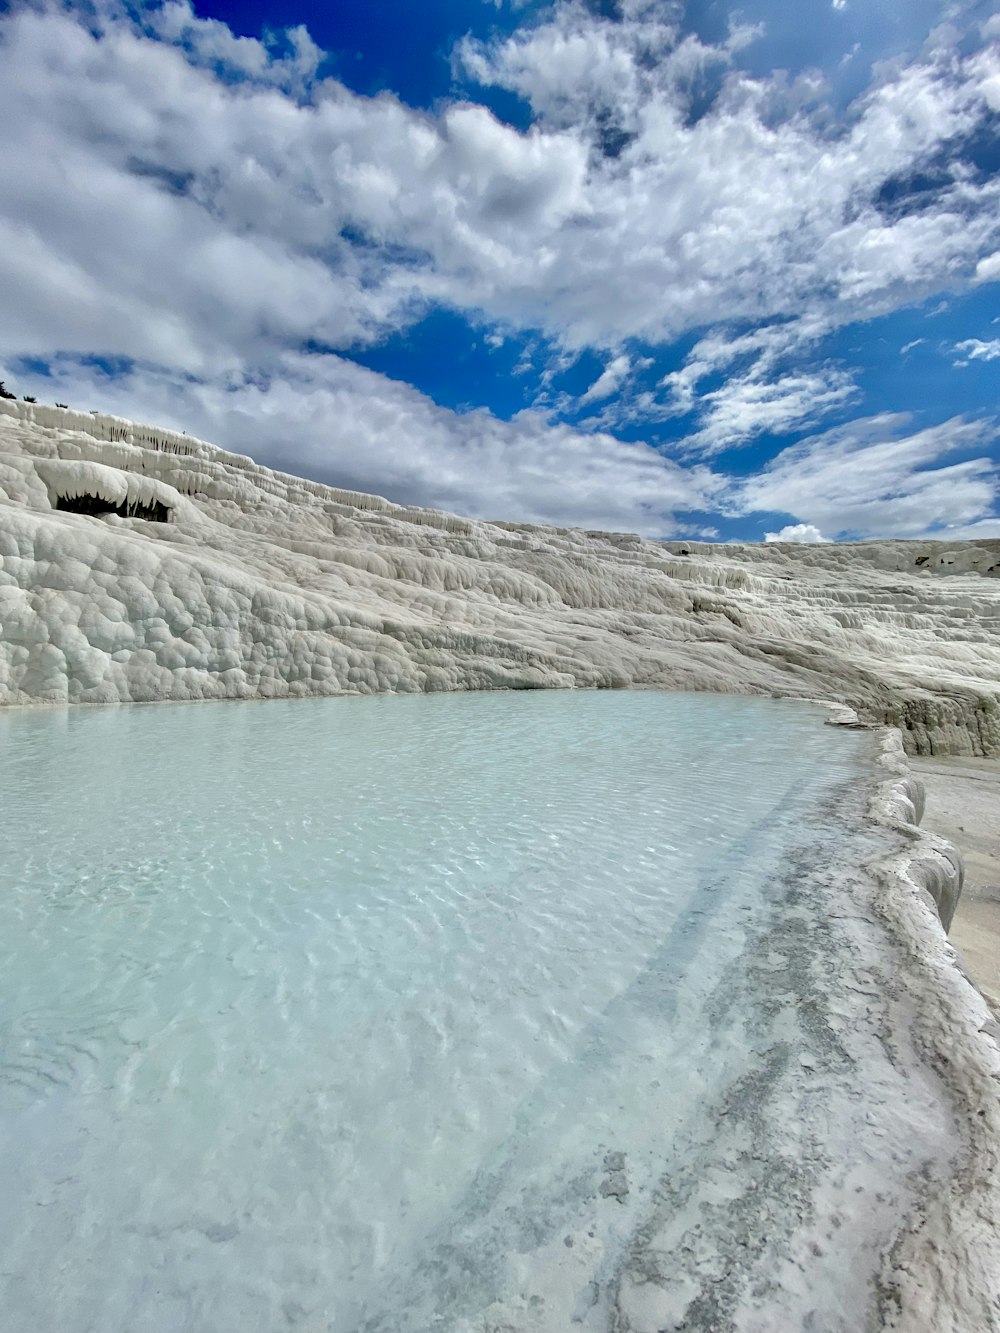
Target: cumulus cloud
[[209, 206], [755, 206], [211, 43], [796, 532], [878, 477], [615, 215], [985, 529]]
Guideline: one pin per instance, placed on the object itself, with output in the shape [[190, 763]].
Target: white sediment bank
[[944, 1271], [193, 573]]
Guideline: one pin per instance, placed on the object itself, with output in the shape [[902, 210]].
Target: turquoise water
[[373, 1013]]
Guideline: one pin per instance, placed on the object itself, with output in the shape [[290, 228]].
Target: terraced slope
[[137, 564]]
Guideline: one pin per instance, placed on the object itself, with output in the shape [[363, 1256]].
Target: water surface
[[373, 1013]]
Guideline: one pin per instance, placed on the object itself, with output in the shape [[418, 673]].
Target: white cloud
[[873, 478], [771, 385], [747, 406], [153, 209], [756, 208], [974, 349], [987, 529], [988, 268], [796, 532], [208, 205], [908, 347], [212, 43], [356, 212], [609, 380]]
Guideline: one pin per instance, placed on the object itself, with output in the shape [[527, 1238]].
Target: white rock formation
[[943, 1272], [240, 582]]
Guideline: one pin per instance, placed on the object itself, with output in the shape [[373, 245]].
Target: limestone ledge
[[943, 1272], [261, 585]]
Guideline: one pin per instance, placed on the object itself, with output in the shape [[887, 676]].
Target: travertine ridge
[[943, 1272], [250, 583]]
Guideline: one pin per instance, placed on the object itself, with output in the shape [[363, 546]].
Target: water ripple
[[313, 1012]]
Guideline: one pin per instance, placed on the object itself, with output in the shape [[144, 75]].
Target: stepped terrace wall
[[210, 576]]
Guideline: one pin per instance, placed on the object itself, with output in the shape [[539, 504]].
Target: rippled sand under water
[[461, 1012]]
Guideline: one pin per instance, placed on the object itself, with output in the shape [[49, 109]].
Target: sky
[[690, 270]]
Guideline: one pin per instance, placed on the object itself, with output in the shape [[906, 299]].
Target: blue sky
[[683, 269]]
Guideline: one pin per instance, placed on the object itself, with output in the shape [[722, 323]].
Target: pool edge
[[943, 1271]]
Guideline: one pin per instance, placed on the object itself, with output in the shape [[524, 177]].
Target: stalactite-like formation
[[154, 510]]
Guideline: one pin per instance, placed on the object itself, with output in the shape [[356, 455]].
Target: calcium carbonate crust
[[775, 1212], [255, 584], [943, 1272]]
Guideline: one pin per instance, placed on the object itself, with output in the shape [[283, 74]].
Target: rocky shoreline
[[944, 1271]]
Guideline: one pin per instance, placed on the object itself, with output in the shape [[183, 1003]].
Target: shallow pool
[[390, 1013]]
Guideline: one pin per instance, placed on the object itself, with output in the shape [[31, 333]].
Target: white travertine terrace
[[260, 584], [69, 479]]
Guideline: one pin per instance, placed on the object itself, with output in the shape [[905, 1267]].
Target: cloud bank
[[202, 227]]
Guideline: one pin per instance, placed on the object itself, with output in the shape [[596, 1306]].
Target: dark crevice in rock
[[96, 507]]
